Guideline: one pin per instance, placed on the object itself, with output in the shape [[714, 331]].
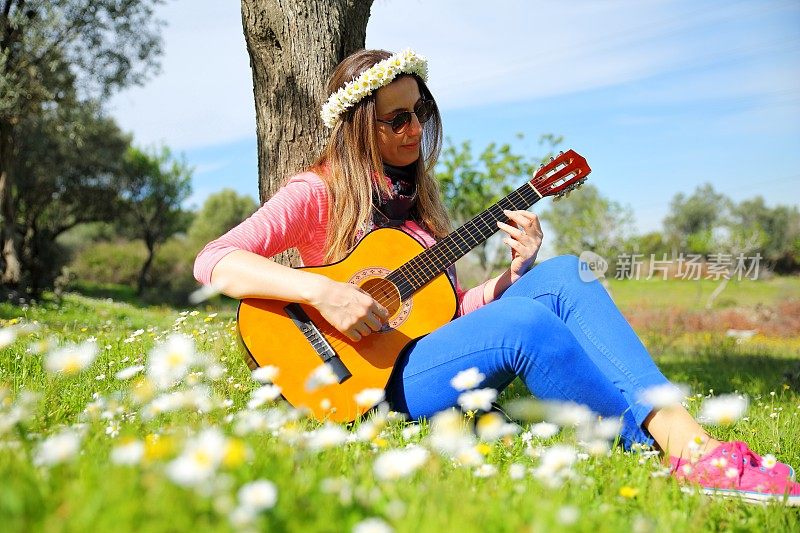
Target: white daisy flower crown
[[382, 73]]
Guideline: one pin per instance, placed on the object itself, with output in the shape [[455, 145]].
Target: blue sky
[[659, 96]]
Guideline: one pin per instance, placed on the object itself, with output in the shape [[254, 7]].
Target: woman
[[565, 338]]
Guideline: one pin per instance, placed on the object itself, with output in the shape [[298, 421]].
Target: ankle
[[696, 448]]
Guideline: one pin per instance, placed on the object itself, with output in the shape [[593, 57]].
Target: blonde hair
[[351, 160]]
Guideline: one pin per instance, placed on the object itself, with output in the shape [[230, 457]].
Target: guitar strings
[[419, 268], [423, 267]]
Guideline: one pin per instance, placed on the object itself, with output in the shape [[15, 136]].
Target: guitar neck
[[414, 274]]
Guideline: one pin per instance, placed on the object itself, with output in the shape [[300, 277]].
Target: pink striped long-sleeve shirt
[[296, 217]]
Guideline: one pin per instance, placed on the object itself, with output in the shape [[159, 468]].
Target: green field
[[693, 295], [335, 487]]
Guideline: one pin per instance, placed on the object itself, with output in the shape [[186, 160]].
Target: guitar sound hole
[[385, 293]]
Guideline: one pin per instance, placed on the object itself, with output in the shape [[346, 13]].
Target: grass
[[335, 489], [690, 295]]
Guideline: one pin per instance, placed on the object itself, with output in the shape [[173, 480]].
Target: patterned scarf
[[392, 211]]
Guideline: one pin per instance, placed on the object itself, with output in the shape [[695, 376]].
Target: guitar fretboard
[[414, 274]]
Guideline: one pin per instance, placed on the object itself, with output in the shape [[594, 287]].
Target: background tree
[[693, 220], [588, 221], [777, 231], [294, 47], [69, 176], [154, 187], [470, 185], [52, 51], [220, 212], [647, 244]]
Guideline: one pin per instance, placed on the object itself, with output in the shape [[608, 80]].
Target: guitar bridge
[[318, 341]]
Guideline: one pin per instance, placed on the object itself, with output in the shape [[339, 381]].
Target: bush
[[109, 262], [119, 263], [171, 277]]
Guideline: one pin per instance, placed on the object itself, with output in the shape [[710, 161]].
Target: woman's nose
[[415, 127]]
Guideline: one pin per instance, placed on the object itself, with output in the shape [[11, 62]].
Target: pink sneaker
[[732, 469]]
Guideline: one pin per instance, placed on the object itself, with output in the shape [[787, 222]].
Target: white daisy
[[265, 374], [258, 495], [448, 434], [372, 525], [769, 461], [170, 361], [544, 430], [71, 359], [467, 379], [264, 394], [199, 460], [242, 518], [569, 414], [128, 373], [58, 448], [328, 436], [485, 470], [395, 464], [411, 431], [665, 395], [568, 515], [516, 470], [129, 453], [479, 399], [7, 336], [607, 428], [319, 377], [203, 293], [493, 426], [370, 397], [723, 410], [555, 460]]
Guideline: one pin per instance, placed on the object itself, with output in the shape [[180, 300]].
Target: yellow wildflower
[[483, 448], [235, 453]]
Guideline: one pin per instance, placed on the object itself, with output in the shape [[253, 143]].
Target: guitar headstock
[[561, 175]]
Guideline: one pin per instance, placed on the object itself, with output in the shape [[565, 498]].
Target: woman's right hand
[[350, 310]]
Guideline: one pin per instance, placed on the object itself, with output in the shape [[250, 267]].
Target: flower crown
[[382, 73]]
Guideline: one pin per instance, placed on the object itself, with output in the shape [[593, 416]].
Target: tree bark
[[294, 45], [11, 268]]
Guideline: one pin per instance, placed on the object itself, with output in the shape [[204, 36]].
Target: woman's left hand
[[524, 240]]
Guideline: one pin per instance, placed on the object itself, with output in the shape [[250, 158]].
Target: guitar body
[[272, 336]]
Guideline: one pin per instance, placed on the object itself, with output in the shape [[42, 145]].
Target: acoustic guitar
[[403, 276]]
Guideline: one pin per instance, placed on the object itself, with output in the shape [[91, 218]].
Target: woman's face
[[402, 148]]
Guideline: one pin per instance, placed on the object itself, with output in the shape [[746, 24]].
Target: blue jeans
[[565, 338]]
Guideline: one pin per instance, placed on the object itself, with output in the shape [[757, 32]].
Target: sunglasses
[[424, 110]]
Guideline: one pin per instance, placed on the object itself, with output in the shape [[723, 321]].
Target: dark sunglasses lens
[[400, 121], [424, 111]]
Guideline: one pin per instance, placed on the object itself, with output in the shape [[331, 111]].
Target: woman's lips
[[410, 146]]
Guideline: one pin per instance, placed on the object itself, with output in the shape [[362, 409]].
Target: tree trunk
[[151, 252], [294, 45], [12, 272]]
